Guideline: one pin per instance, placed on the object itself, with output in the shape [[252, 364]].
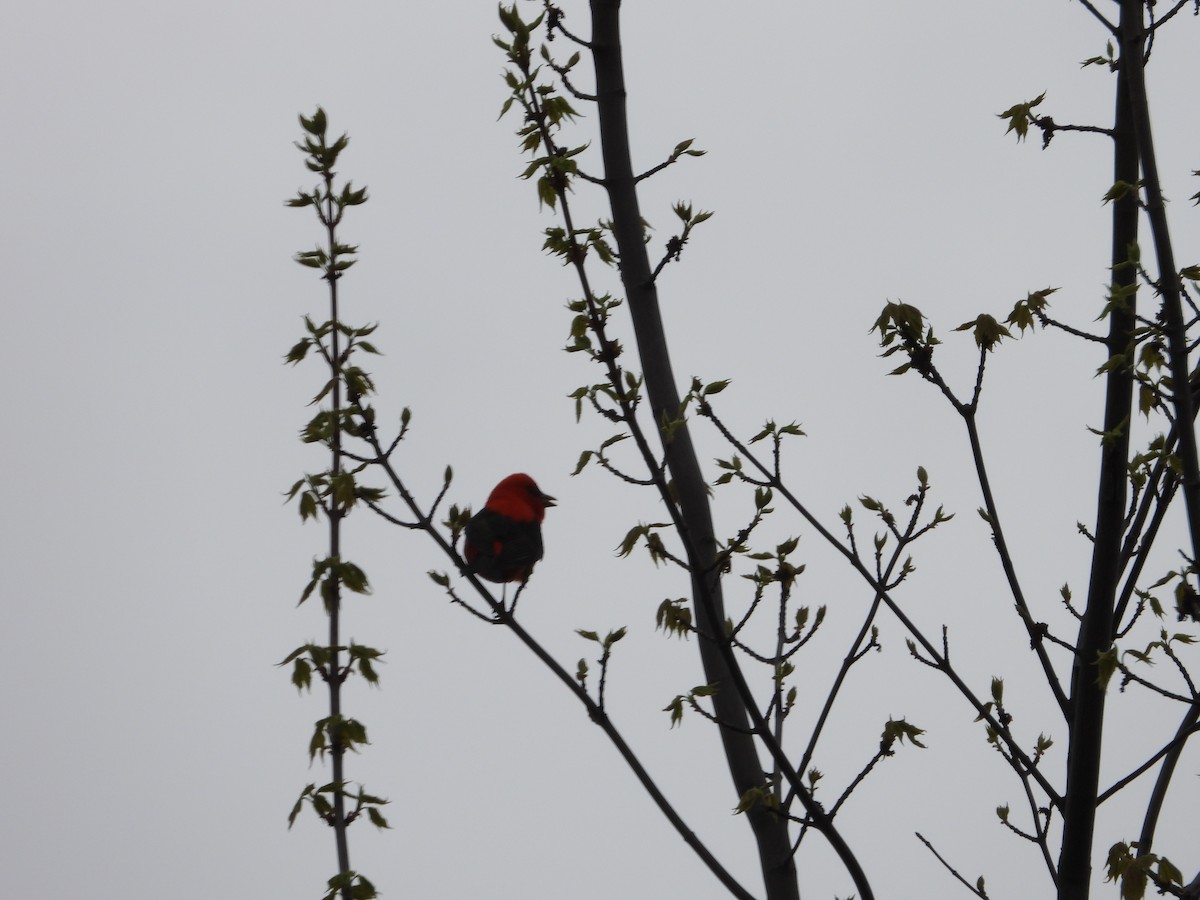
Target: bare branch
[[977, 891]]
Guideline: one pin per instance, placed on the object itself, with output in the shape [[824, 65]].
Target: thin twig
[[1062, 326], [1177, 741], [949, 868], [1162, 20]]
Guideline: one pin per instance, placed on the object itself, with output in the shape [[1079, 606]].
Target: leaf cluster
[[1138, 871], [324, 659], [330, 204], [902, 328]]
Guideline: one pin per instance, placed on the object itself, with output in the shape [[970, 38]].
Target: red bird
[[503, 540]]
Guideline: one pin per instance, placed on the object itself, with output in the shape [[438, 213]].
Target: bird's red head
[[519, 498]]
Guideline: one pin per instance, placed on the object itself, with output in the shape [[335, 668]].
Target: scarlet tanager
[[503, 540]]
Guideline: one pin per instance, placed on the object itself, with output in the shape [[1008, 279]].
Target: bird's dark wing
[[499, 549]]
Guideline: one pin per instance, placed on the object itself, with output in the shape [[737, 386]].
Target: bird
[[503, 541]]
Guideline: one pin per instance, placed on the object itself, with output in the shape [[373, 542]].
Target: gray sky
[[153, 750]]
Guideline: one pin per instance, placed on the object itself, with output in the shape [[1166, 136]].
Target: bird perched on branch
[[503, 541]]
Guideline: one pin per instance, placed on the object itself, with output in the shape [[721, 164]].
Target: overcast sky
[[855, 157]]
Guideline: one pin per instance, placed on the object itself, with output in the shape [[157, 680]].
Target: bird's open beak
[[547, 499]]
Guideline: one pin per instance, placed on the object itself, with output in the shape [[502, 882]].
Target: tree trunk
[[1096, 628], [770, 832]]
